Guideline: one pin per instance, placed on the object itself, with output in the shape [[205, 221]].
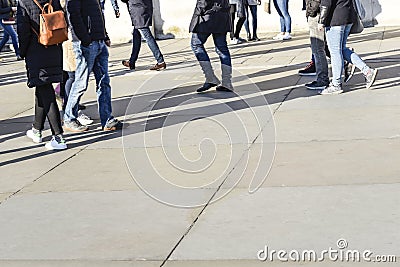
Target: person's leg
[[317, 39], [136, 44], [284, 7], [197, 45], [40, 111], [247, 21], [233, 12], [239, 26], [14, 39], [221, 47], [351, 56], [68, 85], [335, 36], [277, 4], [253, 10], [5, 39], [151, 42], [100, 70], [85, 57]]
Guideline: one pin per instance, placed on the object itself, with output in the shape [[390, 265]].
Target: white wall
[[176, 16]]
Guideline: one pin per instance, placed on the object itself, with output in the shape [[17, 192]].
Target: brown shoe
[[128, 64], [159, 66]]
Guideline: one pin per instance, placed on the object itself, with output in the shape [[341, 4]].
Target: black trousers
[[235, 32], [46, 106]]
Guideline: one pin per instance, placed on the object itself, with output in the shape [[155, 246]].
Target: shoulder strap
[[37, 3]]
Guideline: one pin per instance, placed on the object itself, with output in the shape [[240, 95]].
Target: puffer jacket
[[86, 21], [337, 12], [43, 64], [208, 18]]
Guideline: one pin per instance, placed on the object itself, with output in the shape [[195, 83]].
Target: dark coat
[[312, 8], [209, 19], [5, 9], [87, 21], [141, 12], [337, 12], [43, 64]]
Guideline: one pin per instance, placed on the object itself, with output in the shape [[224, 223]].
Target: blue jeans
[[9, 32], [253, 11], [282, 6], [92, 58], [151, 42], [221, 47], [336, 37]]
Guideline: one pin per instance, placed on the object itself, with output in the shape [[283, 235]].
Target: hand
[[108, 42], [258, 2], [117, 14], [14, 8], [320, 27], [217, 7]]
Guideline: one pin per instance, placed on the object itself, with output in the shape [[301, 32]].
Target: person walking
[[212, 18], [44, 67], [88, 40], [252, 5], [282, 7], [337, 17], [7, 9], [317, 39], [141, 12], [237, 7]]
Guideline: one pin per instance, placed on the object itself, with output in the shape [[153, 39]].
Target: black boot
[[205, 87]]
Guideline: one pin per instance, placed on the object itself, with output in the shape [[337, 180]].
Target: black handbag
[[357, 26]]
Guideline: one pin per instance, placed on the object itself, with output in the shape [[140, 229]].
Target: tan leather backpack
[[53, 28]]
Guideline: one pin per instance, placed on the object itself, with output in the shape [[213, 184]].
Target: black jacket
[[337, 12], [312, 8], [86, 21], [5, 9], [141, 12], [211, 16], [43, 64]]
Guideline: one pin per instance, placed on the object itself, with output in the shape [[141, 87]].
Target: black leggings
[[46, 105], [235, 33]]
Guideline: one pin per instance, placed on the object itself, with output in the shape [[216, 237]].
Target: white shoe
[[35, 135], [84, 119], [57, 143], [234, 41], [287, 36], [279, 36]]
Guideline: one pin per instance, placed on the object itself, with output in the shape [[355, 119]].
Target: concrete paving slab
[[256, 263], [89, 226], [4, 196], [77, 263], [307, 218], [309, 164], [21, 168], [89, 170]]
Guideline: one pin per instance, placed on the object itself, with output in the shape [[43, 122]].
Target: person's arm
[[325, 10], [115, 6], [75, 18], [23, 29]]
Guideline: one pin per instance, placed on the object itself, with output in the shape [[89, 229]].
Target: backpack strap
[[37, 3]]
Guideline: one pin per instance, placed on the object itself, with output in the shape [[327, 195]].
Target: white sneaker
[[57, 143], [234, 41], [332, 90], [84, 119], [287, 36], [35, 135], [279, 36]]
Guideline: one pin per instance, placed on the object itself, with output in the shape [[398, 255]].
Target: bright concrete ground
[[335, 173]]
